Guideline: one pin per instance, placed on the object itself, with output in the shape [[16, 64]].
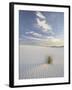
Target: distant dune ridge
[[40, 62]]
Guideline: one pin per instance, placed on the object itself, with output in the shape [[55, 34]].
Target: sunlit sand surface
[[32, 63]]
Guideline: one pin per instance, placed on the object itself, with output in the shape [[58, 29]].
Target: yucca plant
[[49, 60]]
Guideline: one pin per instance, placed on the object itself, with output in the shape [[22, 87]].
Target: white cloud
[[52, 42], [44, 25], [48, 41], [40, 15], [37, 34], [34, 34], [49, 37], [56, 40], [31, 32], [32, 38]]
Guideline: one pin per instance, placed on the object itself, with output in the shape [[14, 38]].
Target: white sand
[[33, 62]]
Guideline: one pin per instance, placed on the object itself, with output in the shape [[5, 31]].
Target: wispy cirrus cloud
[[46, 41], [31, 38], [40, 15], [34, 34]]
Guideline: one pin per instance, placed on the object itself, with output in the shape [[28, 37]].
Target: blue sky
[[37, 27]]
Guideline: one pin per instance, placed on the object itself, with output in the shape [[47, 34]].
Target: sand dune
[[33, 62]]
